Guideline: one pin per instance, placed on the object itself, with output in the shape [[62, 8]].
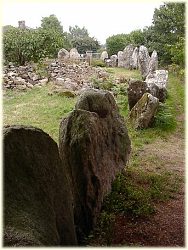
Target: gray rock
[[95, 146], [114, 60], [157, 83], [142, 114], [134, 59], [144, 59], [128, 51], [74, 55], [135, 91], [153, 64], [37, 198], [121, 59], [63, 54], [104, 55]]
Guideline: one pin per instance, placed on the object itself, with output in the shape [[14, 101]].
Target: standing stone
[[37, 198], [74, 55], [153, 64], [95, 146], [121, 59], [113, 59], [144, 59], [142, 114], [128, 51], [135, 91], [134, 59], [104, 55], [157, 83], [63, 54]]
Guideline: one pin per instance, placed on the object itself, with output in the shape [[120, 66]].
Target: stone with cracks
[[95, 146], [128, 51], [121, 59], [142, 114], [37, 198], [63, 54], [135, 90], [144, 59], [74, 55], [134, 59], [153, 64], [157, 83], [113, 59], [104, 55]]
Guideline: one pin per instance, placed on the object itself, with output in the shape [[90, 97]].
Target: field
[[154, 175]]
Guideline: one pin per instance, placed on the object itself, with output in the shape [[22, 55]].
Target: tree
[[168, 26], [79, 38], [52, 22], [116, 43], [21, 46], [136, 38]]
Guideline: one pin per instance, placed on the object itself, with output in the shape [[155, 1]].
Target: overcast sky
[[100, 19]]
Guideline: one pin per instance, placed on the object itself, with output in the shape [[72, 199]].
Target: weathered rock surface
[[37, 198], [153, 63], [128, 51], [135, 91], [94, 145], [114, 60], [157, 83], [142, 114], [22, 77], [121, 59], [104, 55], [74, 55], [144, 59], [134, 59], [63, 54]]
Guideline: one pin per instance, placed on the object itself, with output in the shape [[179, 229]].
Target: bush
[[98, 63]]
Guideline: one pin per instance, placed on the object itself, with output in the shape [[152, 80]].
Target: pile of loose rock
[[22, 77]]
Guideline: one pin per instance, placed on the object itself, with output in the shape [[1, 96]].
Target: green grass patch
[[37, 108]]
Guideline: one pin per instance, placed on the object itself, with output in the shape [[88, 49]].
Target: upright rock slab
[[74, 55], [114, 60], [95, 146], [142, 114], [128, 51], [135, 91], [63, 54], [104, 55], [134, 59], [37, 198], [144, 59], [121, 59], [157, 83], [153, 63]]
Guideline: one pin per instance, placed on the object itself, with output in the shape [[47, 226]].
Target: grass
[[37, 108]]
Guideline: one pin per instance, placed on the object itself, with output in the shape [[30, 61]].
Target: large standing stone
[[128, 51], [37, 198], [157, 83], [114, 60], [121, 59], [104, 55], [144, 59], [95, 146], [134, 59], [142, 114], [74, 55], [153, 64], [63, 54], [135, 91]]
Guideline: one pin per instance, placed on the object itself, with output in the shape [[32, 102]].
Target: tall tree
[[52, 22]]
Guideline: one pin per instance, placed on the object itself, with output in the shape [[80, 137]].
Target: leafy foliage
[[25, 45], [79, 38]]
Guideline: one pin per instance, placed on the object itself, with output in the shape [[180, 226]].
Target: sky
[[101, 19]]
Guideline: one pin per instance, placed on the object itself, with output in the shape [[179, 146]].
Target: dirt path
[[166, 226]]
